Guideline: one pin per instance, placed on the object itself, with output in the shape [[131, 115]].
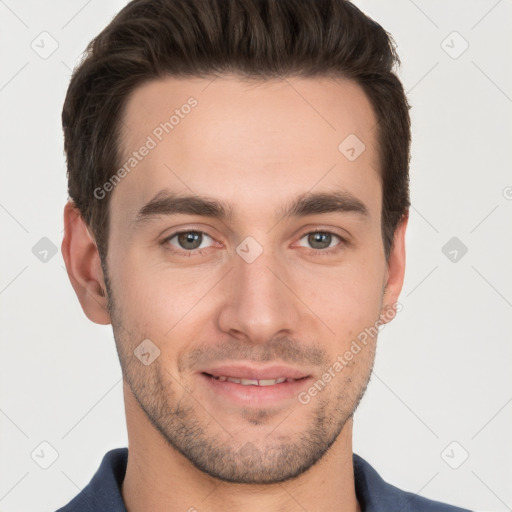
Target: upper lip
[[246, 371]]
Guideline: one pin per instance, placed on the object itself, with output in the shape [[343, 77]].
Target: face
[[245, 248]]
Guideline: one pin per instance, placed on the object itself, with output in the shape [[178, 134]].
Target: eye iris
[[190, 240], [323, 238]]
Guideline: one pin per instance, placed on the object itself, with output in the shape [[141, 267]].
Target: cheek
[[158, 301], [348, 297]]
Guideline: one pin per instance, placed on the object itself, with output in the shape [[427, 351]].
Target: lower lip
[[259, 396]]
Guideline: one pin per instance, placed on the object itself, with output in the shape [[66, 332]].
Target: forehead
[[247, 141]]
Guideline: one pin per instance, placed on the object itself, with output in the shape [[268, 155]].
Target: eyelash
[[201, 252]]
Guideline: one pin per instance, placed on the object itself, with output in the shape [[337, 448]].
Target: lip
[[252, 395], [252, 372]]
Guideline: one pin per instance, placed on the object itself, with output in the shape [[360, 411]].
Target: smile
[[252, 382]]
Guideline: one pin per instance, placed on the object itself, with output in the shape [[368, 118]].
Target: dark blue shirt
[[103, 493]]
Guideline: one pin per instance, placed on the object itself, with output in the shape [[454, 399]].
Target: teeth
[[253, 382], [249, 382], [267, 382]]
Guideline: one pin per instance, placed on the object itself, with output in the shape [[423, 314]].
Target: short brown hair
[[261, 39]]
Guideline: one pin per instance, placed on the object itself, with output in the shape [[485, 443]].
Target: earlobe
[[83, 265], [395, 271]]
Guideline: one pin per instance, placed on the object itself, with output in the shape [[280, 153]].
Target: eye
[[321, 240], [188, 241], [192, 242]]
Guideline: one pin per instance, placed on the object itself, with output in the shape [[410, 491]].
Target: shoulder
[[104, 490], [376, 495]]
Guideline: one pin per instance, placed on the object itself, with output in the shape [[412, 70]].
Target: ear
[[83, 265], [395, 272]]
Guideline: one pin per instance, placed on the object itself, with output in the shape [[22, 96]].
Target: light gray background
[[442, 372]]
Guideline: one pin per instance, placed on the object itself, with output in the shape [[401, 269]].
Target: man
[[238, 175]]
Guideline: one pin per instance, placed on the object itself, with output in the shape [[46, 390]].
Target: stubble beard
[[199, 437]]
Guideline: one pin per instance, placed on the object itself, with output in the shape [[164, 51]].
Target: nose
[[260, 302]]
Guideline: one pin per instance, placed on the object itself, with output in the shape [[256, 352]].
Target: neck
[[158, 478]]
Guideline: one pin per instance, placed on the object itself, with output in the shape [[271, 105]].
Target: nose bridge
[[260, 305]]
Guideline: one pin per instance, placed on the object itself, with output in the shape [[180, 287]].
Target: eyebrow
[[166, 203]]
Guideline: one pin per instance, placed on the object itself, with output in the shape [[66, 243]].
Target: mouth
[[253, 382], [249, 386]]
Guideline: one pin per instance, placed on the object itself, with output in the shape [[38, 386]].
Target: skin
[[255, 146]]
